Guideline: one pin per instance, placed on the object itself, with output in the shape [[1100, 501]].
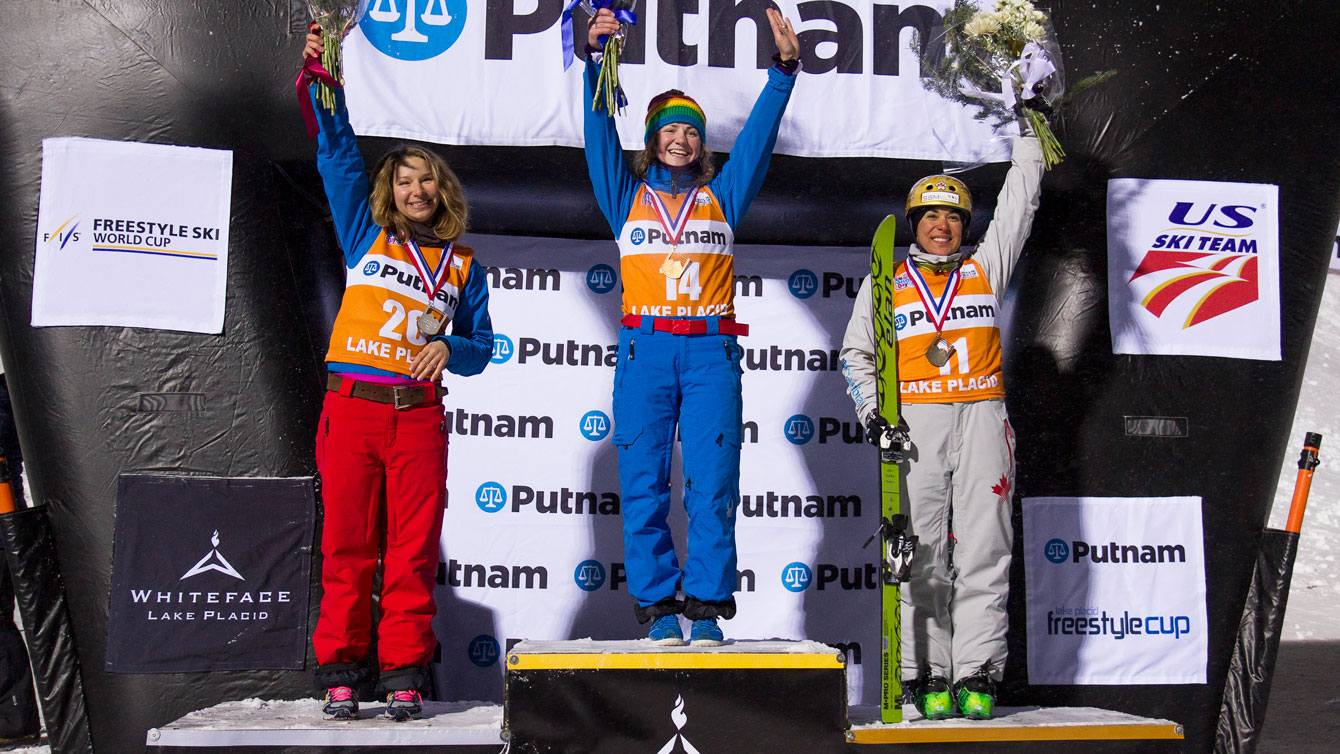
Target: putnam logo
[[799, 429], [796, 577], [601, 278], [802, 284], [589, 575], [595, 425], [371, 268], [502, 349], [413, 29], [482, 651], [638, 235], [1193, 286], [490, 497]]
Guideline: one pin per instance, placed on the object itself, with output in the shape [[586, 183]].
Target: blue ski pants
[[691, 382]]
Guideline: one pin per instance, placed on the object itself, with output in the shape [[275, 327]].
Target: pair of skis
[[896, 544]]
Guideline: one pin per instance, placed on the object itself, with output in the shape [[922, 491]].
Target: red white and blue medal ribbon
[[937, 310], [433, 319], [674, 263]]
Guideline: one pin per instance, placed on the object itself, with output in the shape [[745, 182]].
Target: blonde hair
[[707, 164], [448, 223]]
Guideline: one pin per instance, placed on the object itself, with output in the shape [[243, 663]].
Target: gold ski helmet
[[939, 191]]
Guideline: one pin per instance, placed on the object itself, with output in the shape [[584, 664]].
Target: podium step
[[622, 696], [273, 726], [1032, 724]]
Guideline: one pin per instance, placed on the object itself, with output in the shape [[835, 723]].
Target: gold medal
[[938, 353], [674, 265]]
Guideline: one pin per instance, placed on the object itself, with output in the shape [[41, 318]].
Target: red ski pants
[[367, 451]]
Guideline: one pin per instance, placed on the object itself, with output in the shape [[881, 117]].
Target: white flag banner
[[132, 234], [1115, 590], [1193, 268], [491, 73]]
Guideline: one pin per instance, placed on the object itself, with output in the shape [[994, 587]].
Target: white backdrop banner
[[1193, 268], [476, 72], [1115, 590], [132, 234], [532, 543]]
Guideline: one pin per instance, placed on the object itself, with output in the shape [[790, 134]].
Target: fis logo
[[490, 497], [796, 577], [1056, 550], [799, 429], [595, 425], [502, 349], [802, 284], [413, 29], [67, 231], [1192, 287], [637, 236], [601, 278], [589, 575], [483, 651]]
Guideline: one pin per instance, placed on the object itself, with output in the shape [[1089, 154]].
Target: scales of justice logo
[[678, 717]]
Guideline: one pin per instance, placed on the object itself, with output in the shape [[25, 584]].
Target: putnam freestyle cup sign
[[1115, 590], [496, 71], [1193, 268], [132, 234]]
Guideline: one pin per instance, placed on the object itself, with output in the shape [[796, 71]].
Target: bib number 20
[[391, 330]]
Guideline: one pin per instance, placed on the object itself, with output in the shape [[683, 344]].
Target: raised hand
[[788, 47], [602, 24]]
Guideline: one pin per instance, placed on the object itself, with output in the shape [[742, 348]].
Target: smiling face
[[940, 231], [415, 190], [678, 145]]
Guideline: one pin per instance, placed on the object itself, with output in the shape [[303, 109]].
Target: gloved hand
[[893, 442]]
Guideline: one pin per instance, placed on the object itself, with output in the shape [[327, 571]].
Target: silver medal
[[938, 353], [431, 322]]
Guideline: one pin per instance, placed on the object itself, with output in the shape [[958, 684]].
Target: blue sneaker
[[665, 632], [706, 633]]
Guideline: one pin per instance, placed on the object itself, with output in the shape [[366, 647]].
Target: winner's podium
[[624, 696]]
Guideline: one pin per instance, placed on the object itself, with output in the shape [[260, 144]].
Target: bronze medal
[[938, 353]]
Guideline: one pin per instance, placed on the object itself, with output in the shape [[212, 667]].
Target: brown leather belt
[[400, 396]]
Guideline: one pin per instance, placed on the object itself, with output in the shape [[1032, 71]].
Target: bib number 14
[[687, 285]]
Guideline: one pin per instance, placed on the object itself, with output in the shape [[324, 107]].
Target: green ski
[[896, 545]]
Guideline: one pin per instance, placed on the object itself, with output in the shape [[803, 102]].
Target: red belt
[[400, 396], [685, 326]]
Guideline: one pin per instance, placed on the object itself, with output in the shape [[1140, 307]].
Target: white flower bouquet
[[1006, 62], [336, 18]]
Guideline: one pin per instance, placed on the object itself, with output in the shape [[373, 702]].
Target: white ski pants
[[958, 482]]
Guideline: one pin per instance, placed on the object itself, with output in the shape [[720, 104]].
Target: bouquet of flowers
[[1006, 62], [608, 92], [336, 18]]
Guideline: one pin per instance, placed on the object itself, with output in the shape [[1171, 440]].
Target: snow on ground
[[1313, 611]]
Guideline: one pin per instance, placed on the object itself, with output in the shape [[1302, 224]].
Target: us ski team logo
[[1192, 287]]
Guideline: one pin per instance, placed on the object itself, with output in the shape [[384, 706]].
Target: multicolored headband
[[674, 106]]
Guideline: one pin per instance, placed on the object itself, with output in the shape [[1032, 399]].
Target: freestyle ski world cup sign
[[1193, 268], [132, 234], [496, 75]]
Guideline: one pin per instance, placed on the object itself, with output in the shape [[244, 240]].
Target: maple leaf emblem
[[1003, 488]]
